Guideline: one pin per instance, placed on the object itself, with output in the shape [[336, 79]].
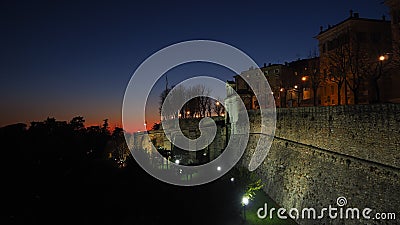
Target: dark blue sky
[[68, 58]]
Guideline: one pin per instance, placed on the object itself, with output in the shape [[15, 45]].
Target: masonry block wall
[[365, 131], [322, 153], [190, 128]]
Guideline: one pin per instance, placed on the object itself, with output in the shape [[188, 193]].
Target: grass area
[[258, 202]]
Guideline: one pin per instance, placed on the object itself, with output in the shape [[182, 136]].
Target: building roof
[[355, 17]]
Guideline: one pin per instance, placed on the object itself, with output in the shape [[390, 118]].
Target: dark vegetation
[[62, 173]]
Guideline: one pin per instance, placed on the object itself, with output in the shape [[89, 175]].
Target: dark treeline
[[59, 144], [50, 165], [60, 173]]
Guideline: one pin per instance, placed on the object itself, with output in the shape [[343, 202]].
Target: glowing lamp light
[[304, 78], [188, 112], [282, 89], [177, 161], [381, 58], [295, 86], [245, 200]]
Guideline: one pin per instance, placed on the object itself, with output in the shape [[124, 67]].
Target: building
[[303, 83], [292, 84], [394, 7], [351, 62], [394, 80]]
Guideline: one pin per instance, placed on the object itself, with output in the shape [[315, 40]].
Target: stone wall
[[369, 132], [190, 128], [322, 153]]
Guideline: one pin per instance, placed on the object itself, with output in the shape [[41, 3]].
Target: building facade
[[351, 62], [292, 84]]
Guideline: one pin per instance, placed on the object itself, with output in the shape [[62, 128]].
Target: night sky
[[67, 58]]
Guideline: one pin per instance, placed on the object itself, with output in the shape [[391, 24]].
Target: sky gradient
[[67, 58]]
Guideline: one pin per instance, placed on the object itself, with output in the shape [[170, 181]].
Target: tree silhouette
[[77, 123]]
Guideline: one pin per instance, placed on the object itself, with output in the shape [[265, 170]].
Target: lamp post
[[302, 88], [297, 91], [168, 157], [245, 202], [282, 96], [381, 59]]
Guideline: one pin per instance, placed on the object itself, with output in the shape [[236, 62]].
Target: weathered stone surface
[[322, 153]]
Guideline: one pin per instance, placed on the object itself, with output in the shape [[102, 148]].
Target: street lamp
[[297, 92], [245, 202], [282, 97], [381, 59]]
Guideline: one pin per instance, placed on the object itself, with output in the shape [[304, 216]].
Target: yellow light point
[[304, 78], [381, 58], [188, 112], [217, 103], [295, 86], [282, 89]]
